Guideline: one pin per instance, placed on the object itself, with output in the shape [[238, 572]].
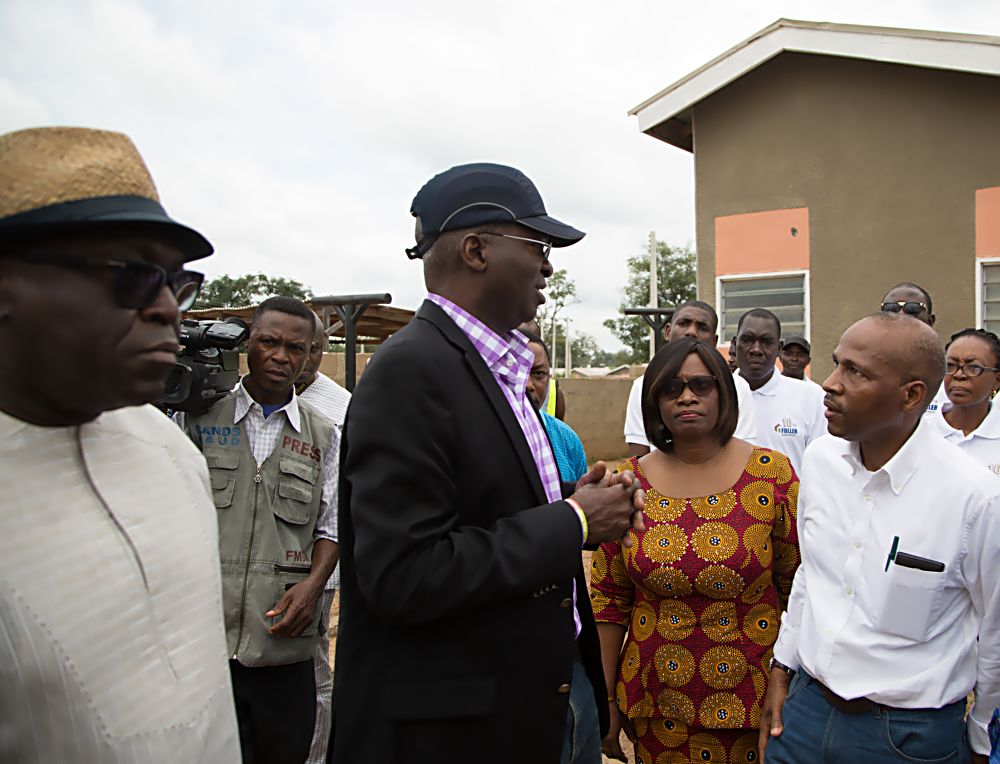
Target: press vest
[[267, 516]]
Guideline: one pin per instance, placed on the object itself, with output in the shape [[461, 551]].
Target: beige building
[[832, 161]]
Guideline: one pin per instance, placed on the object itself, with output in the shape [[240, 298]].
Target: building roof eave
[[665, 114]]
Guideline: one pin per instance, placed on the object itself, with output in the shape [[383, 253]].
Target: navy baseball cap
[[471, 195]]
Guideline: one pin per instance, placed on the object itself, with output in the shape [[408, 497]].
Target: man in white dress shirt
[[331, 400], [112, 646], [691, 319], [788, 412], [895, 610]]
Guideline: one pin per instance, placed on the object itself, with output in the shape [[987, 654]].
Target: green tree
[[560, 291], [675, 281], [249, 289]]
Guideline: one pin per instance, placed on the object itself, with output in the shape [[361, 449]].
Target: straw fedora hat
[[59, 179]]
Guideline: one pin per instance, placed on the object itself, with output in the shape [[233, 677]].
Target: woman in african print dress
[[699, 592]]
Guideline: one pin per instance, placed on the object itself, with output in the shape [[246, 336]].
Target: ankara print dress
[[700, 592]]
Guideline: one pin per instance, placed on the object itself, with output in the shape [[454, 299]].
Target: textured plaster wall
[[887, 159]]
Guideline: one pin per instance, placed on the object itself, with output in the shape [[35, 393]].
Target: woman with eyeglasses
[[972, 378], [696, 598], [971, 421]]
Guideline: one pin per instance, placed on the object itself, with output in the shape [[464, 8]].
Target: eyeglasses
[[137, 284], [968, 369], [909, 307], [545, 245], [700, 386]]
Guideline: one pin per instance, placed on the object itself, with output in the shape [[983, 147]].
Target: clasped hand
[[612, 503]]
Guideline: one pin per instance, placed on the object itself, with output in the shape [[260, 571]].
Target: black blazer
[[456, 627]]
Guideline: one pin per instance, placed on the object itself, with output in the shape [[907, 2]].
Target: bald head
[[911, 347], [888, 368]]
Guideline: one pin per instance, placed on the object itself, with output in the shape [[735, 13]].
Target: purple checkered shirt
[[509, 360]]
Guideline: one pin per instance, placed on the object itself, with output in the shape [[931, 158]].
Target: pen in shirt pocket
[[906, 560], [892, 553]]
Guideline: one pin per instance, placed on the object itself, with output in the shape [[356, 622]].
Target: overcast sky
[[294, 134]]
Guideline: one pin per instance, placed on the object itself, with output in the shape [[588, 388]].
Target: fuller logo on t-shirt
[[786, 427]]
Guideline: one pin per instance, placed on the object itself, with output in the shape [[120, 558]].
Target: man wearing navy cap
[[465, 627]]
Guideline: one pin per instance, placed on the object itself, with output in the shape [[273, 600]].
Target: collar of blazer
[[430, 312]]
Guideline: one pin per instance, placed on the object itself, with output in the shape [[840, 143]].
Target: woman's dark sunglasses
[[137, 284], [700, 386], [910, 308]]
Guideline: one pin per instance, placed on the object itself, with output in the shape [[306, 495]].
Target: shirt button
[[563, 689], [848, 590], [566, 602], [857, 544], [510, 361], [868, 497]]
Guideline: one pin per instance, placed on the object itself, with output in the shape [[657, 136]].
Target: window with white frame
[[782, 294], [989, 291]]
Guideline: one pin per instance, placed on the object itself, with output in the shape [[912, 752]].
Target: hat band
[[117, 207]]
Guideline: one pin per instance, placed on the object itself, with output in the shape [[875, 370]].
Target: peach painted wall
[[988, 222], [762, 242]]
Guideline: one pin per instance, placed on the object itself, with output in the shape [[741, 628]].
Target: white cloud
[[295, 134]]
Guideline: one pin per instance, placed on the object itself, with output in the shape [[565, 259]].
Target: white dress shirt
[[329, 397], [112, 645], [789, 415], [982, 444], [636, 433], [899, 636], [331, 400]]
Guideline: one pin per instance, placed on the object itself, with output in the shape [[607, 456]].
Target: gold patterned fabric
[[700, 591]]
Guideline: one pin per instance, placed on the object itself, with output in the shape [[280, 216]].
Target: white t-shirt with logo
[[982, 444], [636, 433], [789, 415], [939, 402]]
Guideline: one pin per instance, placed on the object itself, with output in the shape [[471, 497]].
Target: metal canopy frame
[[657, 318], [349, 308]]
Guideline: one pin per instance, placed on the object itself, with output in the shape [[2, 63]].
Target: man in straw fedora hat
[[111, 637]]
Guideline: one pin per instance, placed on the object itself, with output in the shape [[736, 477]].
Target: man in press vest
[[273, 461]]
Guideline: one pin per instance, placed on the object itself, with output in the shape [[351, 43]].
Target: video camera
[[207, 367]]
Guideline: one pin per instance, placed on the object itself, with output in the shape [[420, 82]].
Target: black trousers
[[275, 711]]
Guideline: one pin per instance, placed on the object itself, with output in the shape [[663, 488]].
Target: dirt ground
[[335, 617]]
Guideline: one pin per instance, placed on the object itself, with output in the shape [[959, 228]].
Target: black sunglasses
[[700, 386], [909, 307], [137, 284]]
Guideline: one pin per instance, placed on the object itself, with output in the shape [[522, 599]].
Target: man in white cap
[[111, 637]]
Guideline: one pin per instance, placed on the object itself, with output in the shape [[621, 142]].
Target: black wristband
[[776, 664]]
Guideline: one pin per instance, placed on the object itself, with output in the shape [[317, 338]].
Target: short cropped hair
[[535, 339], [664, 367], [759, 313], [981, 334], [923, 356], [290, 305], [917, 287], [701, 306]]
